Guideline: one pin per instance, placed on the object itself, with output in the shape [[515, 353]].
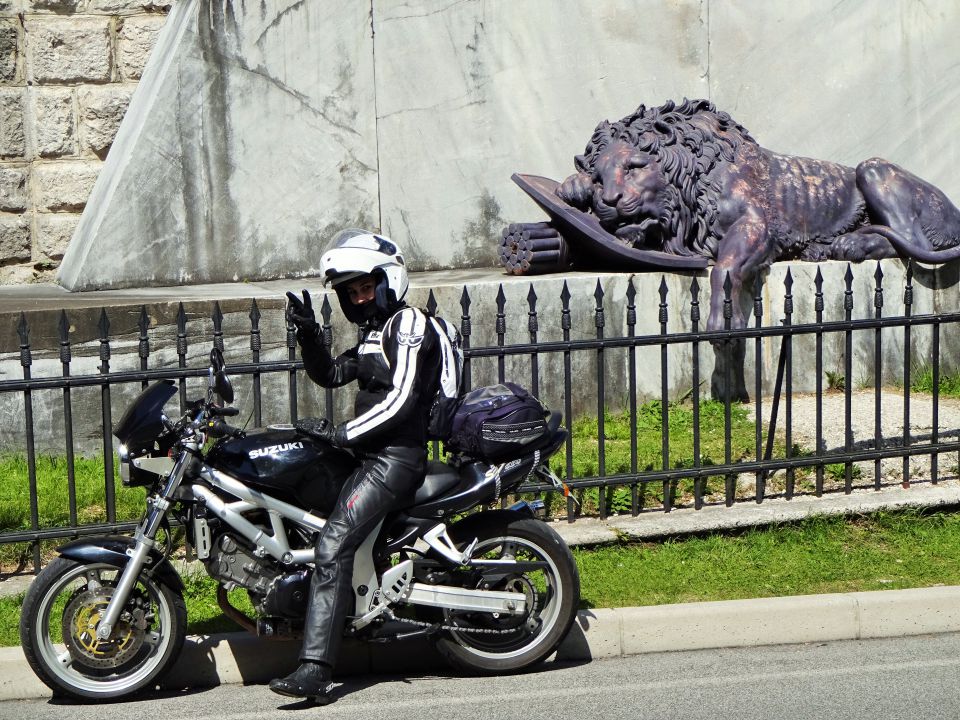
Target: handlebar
[[217, 410], [217, 428], [206, 417]]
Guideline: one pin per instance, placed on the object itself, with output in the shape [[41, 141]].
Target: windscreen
[[141, 422]]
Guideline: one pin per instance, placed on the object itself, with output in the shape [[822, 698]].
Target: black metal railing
[[548, 348]]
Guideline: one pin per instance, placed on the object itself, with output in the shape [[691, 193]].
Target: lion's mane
[[690, 141]]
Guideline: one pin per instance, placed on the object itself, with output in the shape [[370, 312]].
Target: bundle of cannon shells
[[533, 248]]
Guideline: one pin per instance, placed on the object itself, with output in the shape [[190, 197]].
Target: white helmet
[[353, 253]]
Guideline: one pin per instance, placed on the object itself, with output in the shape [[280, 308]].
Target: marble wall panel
[[472, 92], [252, 134], [843, 81]]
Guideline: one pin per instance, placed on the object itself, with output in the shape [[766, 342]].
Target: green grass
[[9, 620], [203, 613], [922, 381], [53, 497], [53, 492], [819, 555]]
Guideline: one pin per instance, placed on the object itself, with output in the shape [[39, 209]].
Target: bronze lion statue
[[688, 179]]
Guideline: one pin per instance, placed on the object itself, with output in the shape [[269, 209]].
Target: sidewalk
[[619, 632]]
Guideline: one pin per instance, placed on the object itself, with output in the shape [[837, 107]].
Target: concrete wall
[[267, 125], [67, 71]]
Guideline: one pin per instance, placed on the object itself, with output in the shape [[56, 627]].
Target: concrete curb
[[602, 633]]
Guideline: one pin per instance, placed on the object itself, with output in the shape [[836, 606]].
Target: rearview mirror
[[221, 383]]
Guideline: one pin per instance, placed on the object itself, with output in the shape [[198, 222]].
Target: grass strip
[[884, 551]]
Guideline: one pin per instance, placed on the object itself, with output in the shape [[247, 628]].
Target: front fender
[[112, 550]]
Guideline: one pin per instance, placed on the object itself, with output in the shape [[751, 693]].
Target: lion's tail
[[909, 250]]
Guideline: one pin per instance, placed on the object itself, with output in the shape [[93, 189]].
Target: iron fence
[[745, 476]]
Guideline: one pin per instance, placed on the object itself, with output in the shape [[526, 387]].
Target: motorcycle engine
[[272, 591], [233, 565]]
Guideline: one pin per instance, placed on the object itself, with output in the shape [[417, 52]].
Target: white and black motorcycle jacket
[[400, 365]]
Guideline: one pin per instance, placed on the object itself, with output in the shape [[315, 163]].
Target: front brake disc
[[80, 618]]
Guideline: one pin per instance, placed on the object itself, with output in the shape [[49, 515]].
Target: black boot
[[310, 680]]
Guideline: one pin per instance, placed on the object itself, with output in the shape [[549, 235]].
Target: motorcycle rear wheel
[[552, 596], [58, 631]]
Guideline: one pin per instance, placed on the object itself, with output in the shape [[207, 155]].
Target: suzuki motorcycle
[[496, 589]]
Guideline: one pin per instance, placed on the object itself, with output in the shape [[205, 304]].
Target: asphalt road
[[912, 677]]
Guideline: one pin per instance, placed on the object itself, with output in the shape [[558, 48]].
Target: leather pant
[[384, 482]]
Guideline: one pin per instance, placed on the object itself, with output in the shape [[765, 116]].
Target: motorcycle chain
[[456, 628]]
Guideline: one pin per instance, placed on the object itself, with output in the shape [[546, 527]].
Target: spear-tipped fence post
[[26, 360], [847, 379], [501, 333], [533, 328], [143, 346], [663, 317], [292, 372], [256, 344], [104, 327], [699, 481], [877, 372], [326, 337], [599, 322], [565, 325], [632, 384], [465, 330], [65, 359], [818, 308], [907, 369], [788, 349], [432, 311], [217, 318], [729, 479], [182, 354], [761, 475]]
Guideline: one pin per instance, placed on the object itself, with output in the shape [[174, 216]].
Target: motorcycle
[[496, 590]]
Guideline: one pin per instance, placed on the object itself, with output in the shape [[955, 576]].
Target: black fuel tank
[[285, 464]]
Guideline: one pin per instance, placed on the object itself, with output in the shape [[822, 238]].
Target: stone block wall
[[67, 71]]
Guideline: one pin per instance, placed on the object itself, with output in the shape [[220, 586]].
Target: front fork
[[140, 552]]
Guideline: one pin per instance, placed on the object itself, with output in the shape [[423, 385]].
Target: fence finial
[[23, 331], [565, 322], [217, 318], [599, 320], [64, 329], [104, 326], [631, 305], [532, 324], [255, 340]]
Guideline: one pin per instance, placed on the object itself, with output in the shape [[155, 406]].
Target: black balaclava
[[384, 303]]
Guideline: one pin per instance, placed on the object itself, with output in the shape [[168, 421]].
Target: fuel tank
[[285, 464]]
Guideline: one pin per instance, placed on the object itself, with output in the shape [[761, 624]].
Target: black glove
[[320, 428], [300, 315]]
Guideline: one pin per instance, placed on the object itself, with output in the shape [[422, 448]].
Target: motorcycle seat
[[440, 478]]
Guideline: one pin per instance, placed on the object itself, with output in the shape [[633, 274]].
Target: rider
[[400, 363]]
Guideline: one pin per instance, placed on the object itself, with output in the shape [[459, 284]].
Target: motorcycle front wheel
[[58, 631], [491, 643]]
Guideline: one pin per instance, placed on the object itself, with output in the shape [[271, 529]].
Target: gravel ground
[[865, 435]]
